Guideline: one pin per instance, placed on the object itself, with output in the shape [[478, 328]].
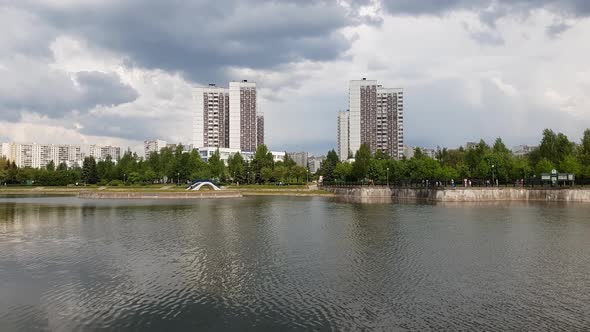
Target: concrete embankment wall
[[512, 194], [465, 195], [159, 195]]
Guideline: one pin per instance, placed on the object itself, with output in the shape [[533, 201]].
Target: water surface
[[281, 263]]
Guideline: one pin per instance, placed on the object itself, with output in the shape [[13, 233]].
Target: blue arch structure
[[198, 185]]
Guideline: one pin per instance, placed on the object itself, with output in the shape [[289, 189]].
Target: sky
[[123, 71]]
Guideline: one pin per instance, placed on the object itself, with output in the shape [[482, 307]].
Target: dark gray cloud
[[201, 39], [488, 7], [104, 89], [557, 29], [55, 94], [490, 11]]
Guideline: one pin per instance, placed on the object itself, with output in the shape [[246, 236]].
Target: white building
[[523, 150], [150, 147], [186, 148], [39, 155], [315, 163], [410, 151], [375, 118], [343, 135], [225, 153], [101, 153], [300, 158]]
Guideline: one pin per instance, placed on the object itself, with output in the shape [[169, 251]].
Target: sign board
[[571, 177], [562, 177], [546, 177]]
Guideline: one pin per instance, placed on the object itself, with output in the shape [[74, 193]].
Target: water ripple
[[291, 264]]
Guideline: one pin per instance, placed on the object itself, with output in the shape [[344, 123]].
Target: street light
[[388, 176], [178, 179], [493, 178], [124, 178]]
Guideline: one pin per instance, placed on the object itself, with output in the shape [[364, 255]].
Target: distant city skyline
[[469, 70]]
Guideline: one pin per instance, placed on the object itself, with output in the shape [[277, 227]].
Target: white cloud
[[508, 89]]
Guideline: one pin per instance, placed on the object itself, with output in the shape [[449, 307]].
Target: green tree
[[499, 147], [520, 169], [300, 173], [216, 165], [106, 170], [544, 166], [262, 159], [134, 177], [237, 167], [50, 166], [89, 172], [362, 160], [570, 164], [584, 149], [266, 174], [553, 147], [280, 173], [343, 172], [149, 175], [328, 166]]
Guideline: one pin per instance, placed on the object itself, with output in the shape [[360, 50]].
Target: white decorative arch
[[198, 185]]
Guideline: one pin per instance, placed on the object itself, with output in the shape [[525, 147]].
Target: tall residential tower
[[211, 124], [228, 118], [375, 118]]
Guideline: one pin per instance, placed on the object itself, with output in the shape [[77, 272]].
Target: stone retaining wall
[[465, 194]]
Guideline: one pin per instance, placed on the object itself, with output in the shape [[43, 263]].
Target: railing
[[474, 184]]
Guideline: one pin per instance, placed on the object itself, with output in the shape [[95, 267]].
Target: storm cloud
[[202, 39], [28, 87]]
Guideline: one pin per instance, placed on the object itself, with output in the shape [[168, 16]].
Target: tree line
[[482, 162], [170, 165]]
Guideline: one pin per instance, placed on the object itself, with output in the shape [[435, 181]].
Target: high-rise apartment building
[[343, 135], [242, 115], [101, 153], [150, 147], [375, 118], [228, 118], [211, 127]]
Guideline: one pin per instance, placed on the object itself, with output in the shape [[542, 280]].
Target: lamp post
[[178, 179], [493, 177], [124, 178], [387, 176]]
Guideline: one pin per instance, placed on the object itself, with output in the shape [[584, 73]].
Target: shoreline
[[209, 194], [363, 194], [164, 194]]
